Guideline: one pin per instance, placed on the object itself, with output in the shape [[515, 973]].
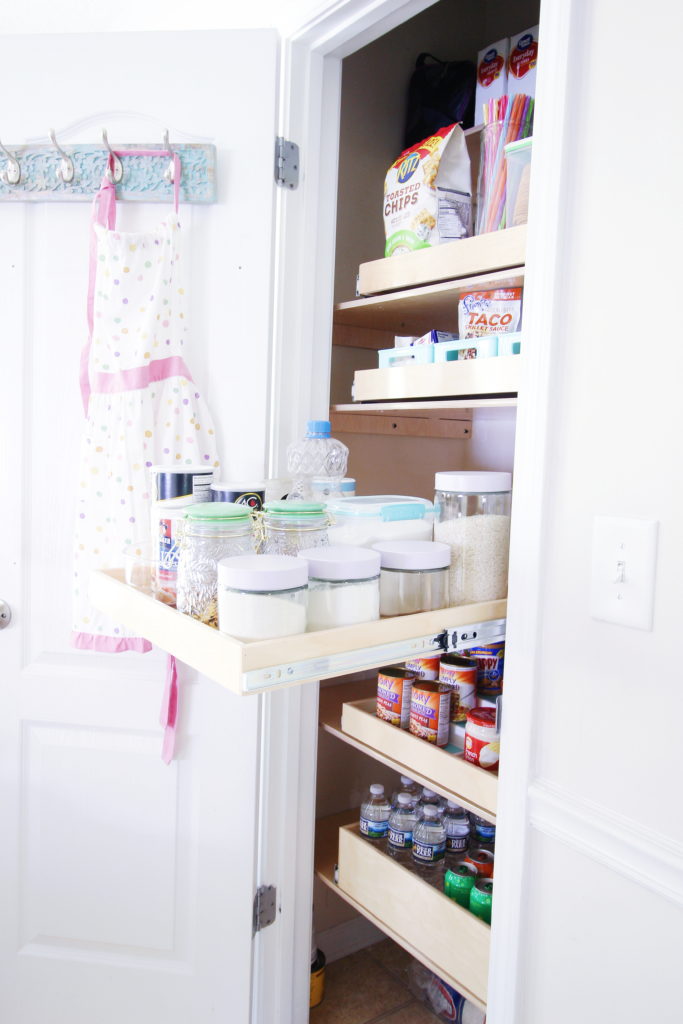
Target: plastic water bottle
[[413, 789], [457, 825], [429, 844], [374, 814], [316, 455], [401, 825], [428, 796]]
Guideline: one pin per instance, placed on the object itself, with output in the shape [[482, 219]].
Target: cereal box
[[394, 686], [429, 711]]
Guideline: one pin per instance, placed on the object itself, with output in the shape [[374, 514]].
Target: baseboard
[[348, 937]]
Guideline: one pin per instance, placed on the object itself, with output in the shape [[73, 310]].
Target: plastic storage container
[[316, 454], [323, 488], [262, 597], [518, 160], [210, 531], [343, 586], [366, 520], [472, 515], [414, 576], [291, 526]]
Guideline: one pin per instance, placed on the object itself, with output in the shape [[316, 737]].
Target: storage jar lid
[[473, 482], [261, 573], [341, 562], [387, 507], [217, 511], [485, 717], [294, 508], [413, 554], [243, 486]]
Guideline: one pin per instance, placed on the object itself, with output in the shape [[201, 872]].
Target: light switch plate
[[623, 571]]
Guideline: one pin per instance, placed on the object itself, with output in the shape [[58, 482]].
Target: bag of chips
[[495, 312], [428, 193]]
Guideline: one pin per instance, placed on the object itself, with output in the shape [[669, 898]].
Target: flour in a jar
[[260, 616], [479, 557]]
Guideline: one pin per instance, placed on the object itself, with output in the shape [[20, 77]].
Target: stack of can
[[469, 879]]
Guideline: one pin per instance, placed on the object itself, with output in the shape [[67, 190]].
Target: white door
[[128, 885]]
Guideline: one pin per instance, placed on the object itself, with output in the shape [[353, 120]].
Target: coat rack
[[48, 172]]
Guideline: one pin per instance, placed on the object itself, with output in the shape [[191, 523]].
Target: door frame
[[304, 253]]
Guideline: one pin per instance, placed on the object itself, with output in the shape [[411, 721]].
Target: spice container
[[167, 518], [343, 586], [292, 526], [262, 597], [482, 739], [210, 531], [472, 516], [382, 517], [414, 576]]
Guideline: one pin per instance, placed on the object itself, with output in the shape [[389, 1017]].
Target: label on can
[[424, 668], [429, 853], [482, 741], [401, 839], [374, 829], [490, 659], [460, 674], [429, 711], [394, 689]]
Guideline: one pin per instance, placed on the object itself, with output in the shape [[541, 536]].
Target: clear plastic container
[[210, 531], [401, 824], [409, 786], [472, 516], [414, 576], [429, 841], [383, 517], [322, 488], [343, 586], [518, 161], [374, 814], [292, 526], [262, 597], [457, 825], [317, 454]]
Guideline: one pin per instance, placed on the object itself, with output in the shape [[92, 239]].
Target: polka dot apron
[[142, 407]]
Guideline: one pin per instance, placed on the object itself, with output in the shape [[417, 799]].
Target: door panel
[[128, 885]]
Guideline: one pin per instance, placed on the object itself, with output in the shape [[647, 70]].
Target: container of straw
[[506, 120]]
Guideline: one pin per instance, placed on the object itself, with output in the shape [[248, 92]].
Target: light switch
[[623, 571]]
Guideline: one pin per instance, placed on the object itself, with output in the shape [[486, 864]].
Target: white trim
[[640, 854], [543, 281], [348, 937]]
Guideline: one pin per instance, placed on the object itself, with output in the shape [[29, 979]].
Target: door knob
[[5, 614]]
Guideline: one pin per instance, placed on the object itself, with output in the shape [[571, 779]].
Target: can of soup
[[394, 689], [429, 710], [460, 675], [424, 668]]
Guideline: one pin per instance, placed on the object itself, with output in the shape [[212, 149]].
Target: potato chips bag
[[428, 193]]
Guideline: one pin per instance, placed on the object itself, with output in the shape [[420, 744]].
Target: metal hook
[[65, 171], [10, 175], [169, 173], [118, 166]]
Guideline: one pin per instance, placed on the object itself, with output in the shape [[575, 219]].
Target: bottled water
[[413, 789], [316, 455], [428, 796], [429, 844], [374, 814], [401, 825], [457, 824]]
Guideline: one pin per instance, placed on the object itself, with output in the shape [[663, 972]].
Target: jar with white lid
[[472, 516], [211, 530], [291, 526], [371, 518], [414, 576], [343, 586], [262, 597]]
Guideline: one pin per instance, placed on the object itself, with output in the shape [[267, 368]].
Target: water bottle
[[401, 825], [428, 796], [374, 814], [413, 789], [429, 844], [316, 455], [457, 825]]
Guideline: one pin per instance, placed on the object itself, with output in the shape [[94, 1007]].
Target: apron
[[141, 405]]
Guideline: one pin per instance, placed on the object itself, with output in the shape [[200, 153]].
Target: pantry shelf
[[265, 665], [347, 711], [496, 377], [445, 937]]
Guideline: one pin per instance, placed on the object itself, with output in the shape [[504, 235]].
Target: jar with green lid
[[210, 531], [292, 526]]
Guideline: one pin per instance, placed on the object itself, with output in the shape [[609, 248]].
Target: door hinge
[[265, 907], [286, 163]]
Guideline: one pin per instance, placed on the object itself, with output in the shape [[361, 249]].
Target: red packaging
[[482, 739]]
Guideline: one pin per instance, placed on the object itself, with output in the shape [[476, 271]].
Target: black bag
[[440, 93]]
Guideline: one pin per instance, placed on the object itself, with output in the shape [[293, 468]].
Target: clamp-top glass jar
[[291, 526], [210, 531], [472, 516]]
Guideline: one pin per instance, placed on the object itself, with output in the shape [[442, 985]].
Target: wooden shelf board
[[480, 255], [455, 424], [424, 407], [496, 377]]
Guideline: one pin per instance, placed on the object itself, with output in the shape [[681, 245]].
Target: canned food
[[424, 668], [481, 861], [482, 739], [458, 882], [429, 710], [490, 659], [460, 674], [394, 688], [481, 899]]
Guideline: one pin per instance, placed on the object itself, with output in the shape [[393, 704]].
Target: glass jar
[[414, 576], [262, 597], [343, 586], [472, 516], [291, 526], [210, 531]]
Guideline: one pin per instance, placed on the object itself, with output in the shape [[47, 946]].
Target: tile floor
[[371, 987]]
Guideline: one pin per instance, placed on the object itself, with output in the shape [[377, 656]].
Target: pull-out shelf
[[263, 665]]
